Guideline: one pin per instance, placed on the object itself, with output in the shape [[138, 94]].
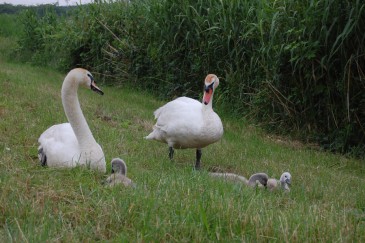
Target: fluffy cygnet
[[119, 174], [284, 182]]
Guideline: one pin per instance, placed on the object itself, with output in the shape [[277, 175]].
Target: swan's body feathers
[[183, 123], [60, 146]]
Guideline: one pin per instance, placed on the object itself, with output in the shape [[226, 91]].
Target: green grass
[[171, 202]]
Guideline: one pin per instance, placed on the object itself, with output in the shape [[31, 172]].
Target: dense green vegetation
[[293, 66]]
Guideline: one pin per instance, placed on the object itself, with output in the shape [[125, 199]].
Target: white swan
[[187, 123], [284, 182], [72, 144], [253, 181], [119, 174]]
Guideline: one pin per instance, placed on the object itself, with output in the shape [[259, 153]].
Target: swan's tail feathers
[[158, 134], [42, 156], [149, 136], [155, 134], [157, 112]]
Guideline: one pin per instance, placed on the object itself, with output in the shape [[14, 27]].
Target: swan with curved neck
[[71, 144], [187, 123]]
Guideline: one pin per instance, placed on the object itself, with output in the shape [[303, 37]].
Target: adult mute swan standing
[[71, 144], [187, 123]]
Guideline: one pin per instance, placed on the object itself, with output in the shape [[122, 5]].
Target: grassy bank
[[171, 201]]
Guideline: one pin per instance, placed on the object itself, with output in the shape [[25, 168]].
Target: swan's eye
[[90, 76]]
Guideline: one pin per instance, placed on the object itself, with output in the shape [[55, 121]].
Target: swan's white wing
[[60, 146], [179, 122], [188, 100], [180, 112], [181, 102]]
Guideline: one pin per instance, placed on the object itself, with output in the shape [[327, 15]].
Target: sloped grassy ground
[[171, 202]]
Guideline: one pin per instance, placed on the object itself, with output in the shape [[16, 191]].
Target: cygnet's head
[[119, 174], [260, 177], [285, 178], [119, 166]]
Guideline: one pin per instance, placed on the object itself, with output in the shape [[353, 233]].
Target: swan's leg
[[42, 157], [198, 157], [171, 153]]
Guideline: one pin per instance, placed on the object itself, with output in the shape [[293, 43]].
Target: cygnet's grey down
[[255, 179], [119, 174], [284, 182]]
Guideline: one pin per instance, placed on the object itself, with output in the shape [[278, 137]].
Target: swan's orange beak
[[208, 92], [96, 88]]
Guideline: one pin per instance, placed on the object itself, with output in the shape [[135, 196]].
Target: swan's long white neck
[[74, 114]]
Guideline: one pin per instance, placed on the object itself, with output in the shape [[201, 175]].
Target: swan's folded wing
[[188, 100], [176, 105], [181, 118], [59, 144], [60, 132]]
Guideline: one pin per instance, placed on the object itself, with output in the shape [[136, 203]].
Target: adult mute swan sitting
[[119, 174], [187, 123], [253, 181], [284, 182], [71, 144]]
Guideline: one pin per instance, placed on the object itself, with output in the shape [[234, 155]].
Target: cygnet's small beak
[[287, 181], [96, 88]]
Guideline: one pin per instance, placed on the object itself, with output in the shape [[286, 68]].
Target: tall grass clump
[[9, 33], [294, 67], [319, 56], [9, 25]]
